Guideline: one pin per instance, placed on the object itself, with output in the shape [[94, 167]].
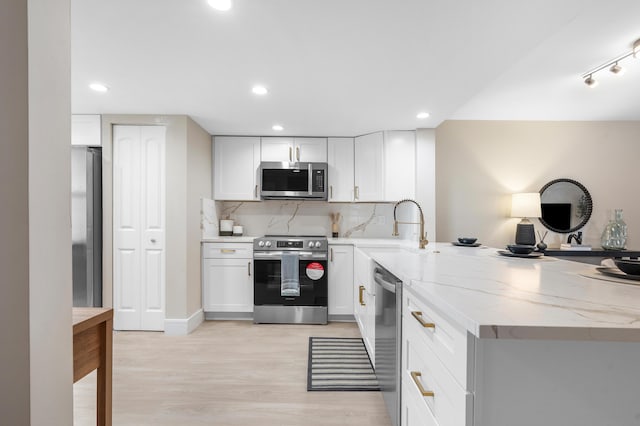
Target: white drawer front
[[449, 404], [227, 250], [448, 341], [414, 410]]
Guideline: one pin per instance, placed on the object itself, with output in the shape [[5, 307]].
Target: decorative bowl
[[520, 248], [630, 267], [467, 240]]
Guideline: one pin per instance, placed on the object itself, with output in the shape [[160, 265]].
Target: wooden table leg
[[104, 409]]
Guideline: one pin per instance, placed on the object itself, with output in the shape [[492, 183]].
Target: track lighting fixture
[[613, 65], [590, 81]]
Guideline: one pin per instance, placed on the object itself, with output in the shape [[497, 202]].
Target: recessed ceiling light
[[422, 115], [98, 87], [222, 5], [259, 90], [277, 128]]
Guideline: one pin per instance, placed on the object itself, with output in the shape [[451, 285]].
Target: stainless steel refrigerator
[[86, 225]]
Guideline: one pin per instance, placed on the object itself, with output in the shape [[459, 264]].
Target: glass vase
[[614, 236]]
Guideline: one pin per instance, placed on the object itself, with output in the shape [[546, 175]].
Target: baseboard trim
[[341, 318], [182, 327], [248, 316]]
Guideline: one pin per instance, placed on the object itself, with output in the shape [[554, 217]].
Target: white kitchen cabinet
[[369, 167], [290, 149], [236, 163], [227, 278], [340, 156], [399, 165], [86, 130], [364, 300], [340, 281], [435, 356], [384, 166]]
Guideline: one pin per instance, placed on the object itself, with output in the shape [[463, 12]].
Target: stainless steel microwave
[[302, 181]]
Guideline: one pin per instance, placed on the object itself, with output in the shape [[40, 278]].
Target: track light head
[[616, 69], [590, 81]]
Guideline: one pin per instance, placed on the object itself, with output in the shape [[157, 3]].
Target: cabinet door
[[400, 165], [310, 150], [369, 167], [236, 162], [340, 160], [227, 285], [340, 280], [277, 149]]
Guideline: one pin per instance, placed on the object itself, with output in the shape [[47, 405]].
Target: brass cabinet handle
[[360, 290], [356, 191], [331, 254], [255, 192], [418, 316], [414, 376], [249, 268], [227, 251], [330, 191], [290, 153], [298, 153]]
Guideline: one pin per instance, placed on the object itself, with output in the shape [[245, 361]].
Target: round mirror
[[566, 205]]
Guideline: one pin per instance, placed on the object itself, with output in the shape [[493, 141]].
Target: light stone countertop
[[230, 239], [494, 296]]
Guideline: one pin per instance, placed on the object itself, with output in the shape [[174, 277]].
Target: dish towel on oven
[[289, 272]]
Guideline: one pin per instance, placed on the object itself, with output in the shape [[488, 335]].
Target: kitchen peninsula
[[490, 340]]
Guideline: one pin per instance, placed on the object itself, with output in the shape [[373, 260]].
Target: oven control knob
[[268, 244], [318, 244], [310, 244], [260, 243]]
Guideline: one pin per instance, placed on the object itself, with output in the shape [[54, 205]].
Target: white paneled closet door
[[139, 227]]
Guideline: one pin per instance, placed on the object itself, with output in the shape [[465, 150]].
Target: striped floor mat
[[339, 364]]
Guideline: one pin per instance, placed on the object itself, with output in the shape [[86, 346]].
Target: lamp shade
[[526, 205]]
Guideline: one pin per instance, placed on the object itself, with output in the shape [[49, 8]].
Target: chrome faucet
[[423, 235]]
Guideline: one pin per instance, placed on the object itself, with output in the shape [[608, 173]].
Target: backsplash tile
[[369, 220]]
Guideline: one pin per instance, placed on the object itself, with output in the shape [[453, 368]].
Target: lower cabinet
[[434, 370], [227, 277], [364, 302], [340, 282]]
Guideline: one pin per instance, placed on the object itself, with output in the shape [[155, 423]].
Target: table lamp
[[525, 205]]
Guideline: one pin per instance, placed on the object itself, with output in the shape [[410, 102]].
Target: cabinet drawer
[[448, 341], [449, 404], [414, 410], [227, 250]]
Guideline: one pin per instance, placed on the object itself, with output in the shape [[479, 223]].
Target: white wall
[[36, 370], [50, 289], [479, 164]]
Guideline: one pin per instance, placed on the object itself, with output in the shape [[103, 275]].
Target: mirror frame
[[589, 207]]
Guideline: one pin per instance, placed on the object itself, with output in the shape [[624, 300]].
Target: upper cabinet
[[340, 175], [369, 167], [312, 150], [384, 166], [85, 130], [235, 172], [399, 165]]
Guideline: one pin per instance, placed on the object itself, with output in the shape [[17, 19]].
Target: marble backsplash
[[280, 217]]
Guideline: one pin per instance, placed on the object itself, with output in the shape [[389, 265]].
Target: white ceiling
[[348, 67]]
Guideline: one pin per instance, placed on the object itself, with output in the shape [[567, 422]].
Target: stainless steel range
[[290, 279]]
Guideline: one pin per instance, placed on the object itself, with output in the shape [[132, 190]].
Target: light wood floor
[[225, 373]]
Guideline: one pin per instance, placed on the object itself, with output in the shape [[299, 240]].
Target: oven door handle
[[304, 255]]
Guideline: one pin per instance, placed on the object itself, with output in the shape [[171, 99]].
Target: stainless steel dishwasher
[[388, 339]]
